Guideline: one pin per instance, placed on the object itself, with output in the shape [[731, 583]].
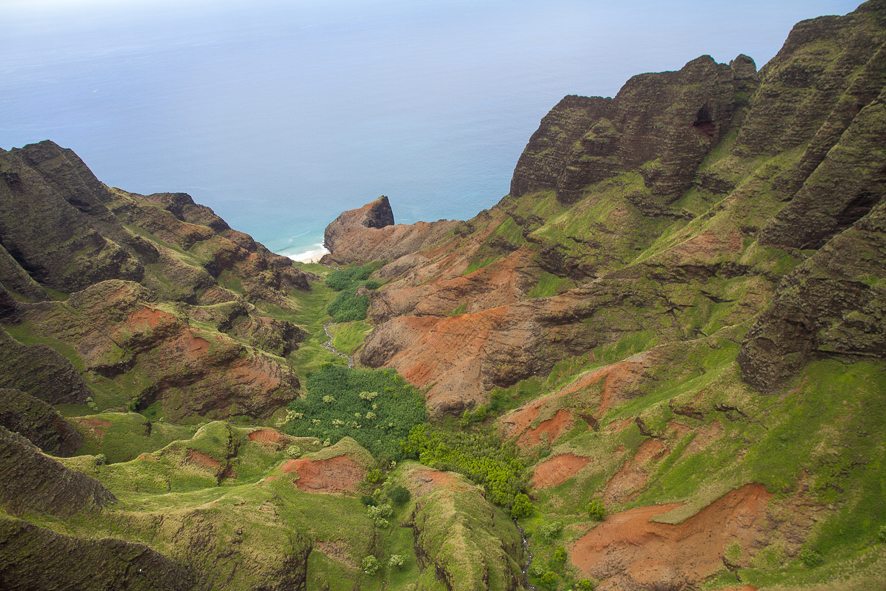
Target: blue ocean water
[[281, 114]]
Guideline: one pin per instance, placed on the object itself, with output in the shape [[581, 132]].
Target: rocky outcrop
[[37, 421], [826, 71], [458, 319], [61, 228], [850, 180], [38, 559], [40, 371], [115, 327], [117, 255], [50, 210], [664, 123], [833, 304], [369, 234], [31, 481]]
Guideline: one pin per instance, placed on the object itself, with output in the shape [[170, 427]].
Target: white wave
[[311, 255]]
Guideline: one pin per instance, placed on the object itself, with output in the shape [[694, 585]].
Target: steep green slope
[[662, 353]]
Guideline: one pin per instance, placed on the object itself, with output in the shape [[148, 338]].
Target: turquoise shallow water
[[279, 115]]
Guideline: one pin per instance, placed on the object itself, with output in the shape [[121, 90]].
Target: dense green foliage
[[482, 458], [348, 277], [375, 407], [348, 306]]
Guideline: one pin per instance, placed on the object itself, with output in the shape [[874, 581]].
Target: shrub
[[811, 558], [293, 451], [348, 277], [379, 515], [881, 535], [522, 506], [370, 565], [375, 476], [100, 460], [348, 306], [550, 531], [596, 510], [396, 561], [399, 495], [549, 580], [559, 558], [384, 510], [584, 585], [482, 458]]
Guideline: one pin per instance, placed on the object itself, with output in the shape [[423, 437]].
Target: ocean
[[281, 114]]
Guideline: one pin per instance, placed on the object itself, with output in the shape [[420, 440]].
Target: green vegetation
[[549, 285], [596, 510], [347, 337], [348, 306], [121, 437], [480, 263], [348, 277], [482, 458], [375, 407]]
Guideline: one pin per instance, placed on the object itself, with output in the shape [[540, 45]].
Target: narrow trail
[[331, 348]]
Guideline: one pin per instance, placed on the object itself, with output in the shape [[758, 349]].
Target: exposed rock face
[[39, 371], [31, 481], [37, 559], [37, 421], [666, 121], [829, 305], [827, 70], [64, 229], [849, 181], [369, 234], [50, 208]]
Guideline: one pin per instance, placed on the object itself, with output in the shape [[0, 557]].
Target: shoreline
[[312, 254]]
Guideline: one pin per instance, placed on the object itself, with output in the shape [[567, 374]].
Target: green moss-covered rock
[[38, 422]]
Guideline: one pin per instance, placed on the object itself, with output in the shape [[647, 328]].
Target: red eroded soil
[[704, 437], [710, 243], [550, 429], [187, 345], [632, 477], [611, 383], [256, 372], [266, 436], [618, 425], [629, 550], [335, 475], [198, 458], [425, 480], [98, 427], [148, 318], [557, 470]]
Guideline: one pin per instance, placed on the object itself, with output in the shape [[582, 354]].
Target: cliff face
[[154, 296], [665, 123], [35, 482], [674, 187]]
